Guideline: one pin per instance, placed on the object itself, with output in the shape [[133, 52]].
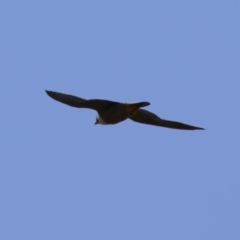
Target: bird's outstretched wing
[[73, 101], [144, 116]]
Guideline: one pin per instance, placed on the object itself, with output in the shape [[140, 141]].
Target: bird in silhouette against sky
[[111, 112]]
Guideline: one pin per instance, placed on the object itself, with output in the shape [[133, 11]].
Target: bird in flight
[[110, 112]]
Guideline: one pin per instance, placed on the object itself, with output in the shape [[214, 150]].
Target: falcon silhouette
[[110, 112]]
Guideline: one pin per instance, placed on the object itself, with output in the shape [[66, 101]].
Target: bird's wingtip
[[47, 92]]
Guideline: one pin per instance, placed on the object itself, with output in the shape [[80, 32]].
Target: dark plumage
[[110, 112]]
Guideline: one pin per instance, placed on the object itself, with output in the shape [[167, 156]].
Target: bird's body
[[118, 112], [110, 112]]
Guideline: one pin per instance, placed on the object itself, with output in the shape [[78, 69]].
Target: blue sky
[[61, 177]]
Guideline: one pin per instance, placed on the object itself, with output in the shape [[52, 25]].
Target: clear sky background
[[61, 177]]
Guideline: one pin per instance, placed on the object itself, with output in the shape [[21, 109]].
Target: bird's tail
[[132, 108], [138, 104]]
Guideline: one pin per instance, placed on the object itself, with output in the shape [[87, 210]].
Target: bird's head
[[97, 121]]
